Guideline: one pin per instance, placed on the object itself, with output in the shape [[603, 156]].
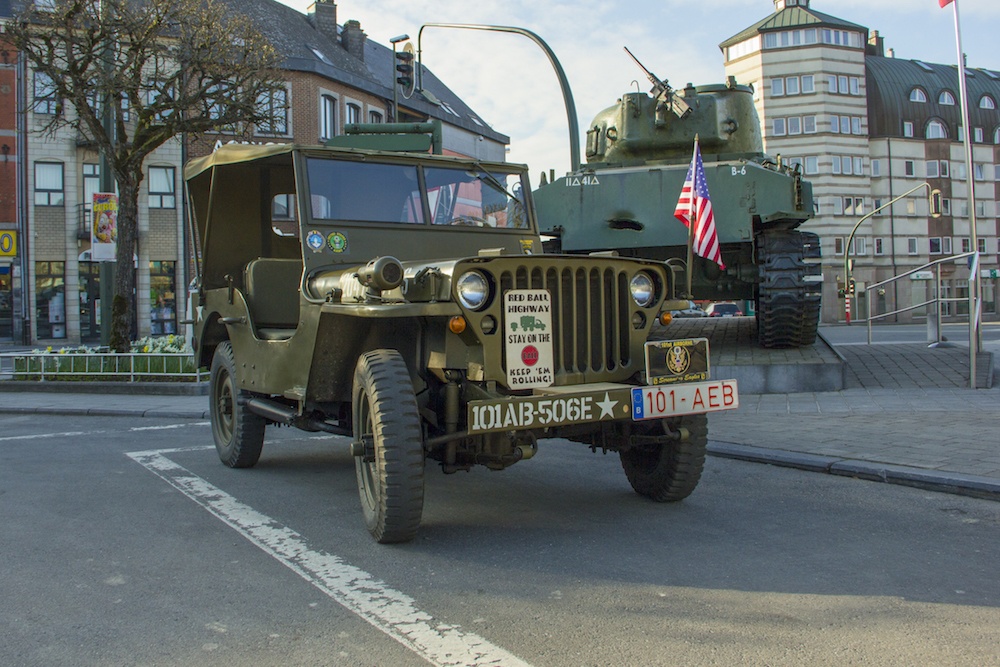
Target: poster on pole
[[104, 227]]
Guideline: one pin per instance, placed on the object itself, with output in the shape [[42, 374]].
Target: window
[[50, 299], [936, 130], [977, 135], [831, 82], [932, 169], [859, 206], [945, 205], [808, 84], [49, 184], [907, 128], [353, 113], [859, 167], [946, 98], [908, 168], [45, 94], [935, 245], [845, 124], [327, 117], [855, 125], [777, 87], [855, 85], [986, 102], [876, 205], [794, 125], [778, 127], [836, 165], [860, 246], [879, 246], [944, 168], [911, 246], [876, 168], [981, 245], [845, 161], [848, 205], [911, 207], [835, 124], [946, 245], [792, 85], [809, 124], [163, 299], [812, 164], [918, 95], [838, 246], [273, 106], [966, 245], [161, 187], [979, 172], [375, 116], [842, 85]]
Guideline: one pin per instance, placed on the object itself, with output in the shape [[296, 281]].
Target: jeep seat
[[272, 294]]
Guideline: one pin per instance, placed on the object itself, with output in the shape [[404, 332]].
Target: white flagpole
[[975, 344], [691, 224]]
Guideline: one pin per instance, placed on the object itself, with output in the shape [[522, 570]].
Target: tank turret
[[623, 199]]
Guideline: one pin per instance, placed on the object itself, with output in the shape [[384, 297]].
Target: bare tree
[[165, 68]]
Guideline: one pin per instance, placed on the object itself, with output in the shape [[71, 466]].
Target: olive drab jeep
[[401, 300]]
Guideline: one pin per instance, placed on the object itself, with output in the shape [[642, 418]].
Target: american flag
[[695, 205]]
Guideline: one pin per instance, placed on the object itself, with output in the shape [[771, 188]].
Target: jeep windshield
[[356, 191]]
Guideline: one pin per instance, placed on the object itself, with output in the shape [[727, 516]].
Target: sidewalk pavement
[[945, 439]]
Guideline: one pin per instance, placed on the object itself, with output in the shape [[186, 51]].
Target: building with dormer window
[[866, 127]]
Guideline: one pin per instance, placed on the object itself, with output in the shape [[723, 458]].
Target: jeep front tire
[[389, 452], [238, 433]]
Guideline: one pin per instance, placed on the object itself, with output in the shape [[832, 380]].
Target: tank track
[[788, 294]]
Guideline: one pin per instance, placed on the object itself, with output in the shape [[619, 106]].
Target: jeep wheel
[[238, 433], [391, 466], [670, 470]]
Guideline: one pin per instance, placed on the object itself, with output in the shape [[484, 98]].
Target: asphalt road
[[126, 542]]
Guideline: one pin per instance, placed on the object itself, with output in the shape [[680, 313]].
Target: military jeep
[[402, 300]]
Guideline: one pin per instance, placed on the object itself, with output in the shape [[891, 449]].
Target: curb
[[130, 388], [109, 412], [932, 480]]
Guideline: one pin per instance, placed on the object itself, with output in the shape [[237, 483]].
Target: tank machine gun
[[623, 199]]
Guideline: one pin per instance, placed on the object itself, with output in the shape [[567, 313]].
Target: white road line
[[42, 436], [392, 612], [167, 427]]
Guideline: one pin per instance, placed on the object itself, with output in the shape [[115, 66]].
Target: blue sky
[[507, 80]]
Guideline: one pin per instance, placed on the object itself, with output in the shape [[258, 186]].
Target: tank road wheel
[[391, 466], [238, 433], [788, 304], [670, 470]]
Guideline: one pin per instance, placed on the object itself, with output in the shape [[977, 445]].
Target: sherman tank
[[623, 199]]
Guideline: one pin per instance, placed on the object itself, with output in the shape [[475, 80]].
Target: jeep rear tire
[[238, 433], [669, 471], [391, 469]]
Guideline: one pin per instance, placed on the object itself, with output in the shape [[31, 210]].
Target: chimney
[[323, 16], [354, 39], [876, 44]]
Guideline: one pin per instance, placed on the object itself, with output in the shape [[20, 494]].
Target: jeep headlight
[[643, 289], [472, 290]]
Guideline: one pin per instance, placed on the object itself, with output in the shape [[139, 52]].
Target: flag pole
[[975, 340], [690, 249]]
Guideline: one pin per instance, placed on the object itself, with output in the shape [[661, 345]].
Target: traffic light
[[404, 67], [851, 290]]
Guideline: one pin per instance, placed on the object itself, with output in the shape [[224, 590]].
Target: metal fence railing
[[121, 367]]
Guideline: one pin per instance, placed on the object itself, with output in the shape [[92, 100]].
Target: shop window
[[50, 299], [162, 298]]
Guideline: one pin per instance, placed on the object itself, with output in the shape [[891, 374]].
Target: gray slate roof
[[890, 81], [792, 17], [295, 37]]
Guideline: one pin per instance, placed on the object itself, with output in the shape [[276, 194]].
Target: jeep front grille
[[590, 316]]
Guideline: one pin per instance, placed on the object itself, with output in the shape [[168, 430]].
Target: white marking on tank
[[392, 612]]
